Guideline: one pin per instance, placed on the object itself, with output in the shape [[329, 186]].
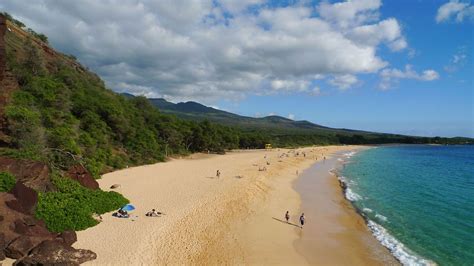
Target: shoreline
[[335, 228], [231, 220]]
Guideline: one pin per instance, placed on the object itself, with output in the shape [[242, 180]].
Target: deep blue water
[[419, 200]]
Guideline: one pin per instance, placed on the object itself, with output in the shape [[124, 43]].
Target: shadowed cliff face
[[8, 84]]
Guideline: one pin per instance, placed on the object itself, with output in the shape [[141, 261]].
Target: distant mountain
[[196, 111]]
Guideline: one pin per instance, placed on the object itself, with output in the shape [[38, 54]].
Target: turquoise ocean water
[[418, 200]]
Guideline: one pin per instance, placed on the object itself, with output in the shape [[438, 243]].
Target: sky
[[398, 66]]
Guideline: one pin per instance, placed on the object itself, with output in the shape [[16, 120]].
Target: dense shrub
[[7, 181], [72, 205]]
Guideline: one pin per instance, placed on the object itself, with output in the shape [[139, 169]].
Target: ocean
[[418, 200]]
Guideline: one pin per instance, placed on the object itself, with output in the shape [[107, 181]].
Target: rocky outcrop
[[31, 173], [80, 174], [68, 237], [3, 54], [25, 238], [27, 197], [8, 84], [55, 252]]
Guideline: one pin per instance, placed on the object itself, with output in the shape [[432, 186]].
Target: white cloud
[[458, 60], [392, 75], [290, 85], [454, 8], [207, 50], [316, 91], [343, 82], [387, 31], [291, 116], [349, 13]]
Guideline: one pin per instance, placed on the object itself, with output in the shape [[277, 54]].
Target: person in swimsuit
[[302, 220], [287, 216]]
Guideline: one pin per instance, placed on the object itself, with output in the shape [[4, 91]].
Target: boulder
[[34, 230], [31, 173], [19, 247], [27, 197], [80, 174], [2, 246], [56, 252], [15, 205], [68, 237]]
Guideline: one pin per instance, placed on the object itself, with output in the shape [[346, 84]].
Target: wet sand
[[334, 233]]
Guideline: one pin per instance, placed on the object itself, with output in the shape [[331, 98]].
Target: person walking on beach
[[218, 174], [302, 219], [287, 216]]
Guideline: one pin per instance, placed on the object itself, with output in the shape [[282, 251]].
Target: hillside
[[286, 130], [196, 111]]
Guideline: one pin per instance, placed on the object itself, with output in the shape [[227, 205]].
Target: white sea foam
[[351, 195], [402, 253], [367, 210], [340, 160], [381, 217], [349, 154]]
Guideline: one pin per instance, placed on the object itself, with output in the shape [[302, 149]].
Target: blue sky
[[389, 66], [443, 107]]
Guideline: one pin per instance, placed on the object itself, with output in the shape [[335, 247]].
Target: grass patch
[[7, 181], [72, 206]]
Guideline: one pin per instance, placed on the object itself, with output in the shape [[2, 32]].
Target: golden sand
[[228, 220]]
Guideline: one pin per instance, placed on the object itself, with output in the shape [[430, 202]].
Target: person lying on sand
[[153, 213], [121, 214]]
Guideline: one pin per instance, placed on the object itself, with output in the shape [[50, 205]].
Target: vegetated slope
[[43, 146], [60, 113], [283, 131]]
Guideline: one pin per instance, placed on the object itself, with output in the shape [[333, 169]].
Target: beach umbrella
[[128, 207]]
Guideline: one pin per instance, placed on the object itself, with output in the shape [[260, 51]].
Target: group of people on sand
[[121, 213], [302, 218]]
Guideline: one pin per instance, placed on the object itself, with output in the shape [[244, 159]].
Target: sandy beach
[[234, 219]]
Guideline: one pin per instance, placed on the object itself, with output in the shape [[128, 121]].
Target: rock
[[3, 245], [31, 173], [15, 205], [30, 221], [55, 252], [20, 227], [35, 230], [27, 197], [80, 174], [19, 247], [114, 186], [68, 237]]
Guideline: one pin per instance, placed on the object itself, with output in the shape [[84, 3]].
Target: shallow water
[[333, 233], [419, 200]]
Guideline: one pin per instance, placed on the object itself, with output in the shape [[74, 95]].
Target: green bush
[[72, 205], [7, 181]]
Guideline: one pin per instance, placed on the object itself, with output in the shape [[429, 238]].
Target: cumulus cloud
[[207, 50], [343, 82], [291, 116], [455, 9], [391, 75]]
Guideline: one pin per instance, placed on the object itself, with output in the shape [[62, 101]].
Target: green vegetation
[[72, 206], [10, 18], [64, 114], [7, 181]]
